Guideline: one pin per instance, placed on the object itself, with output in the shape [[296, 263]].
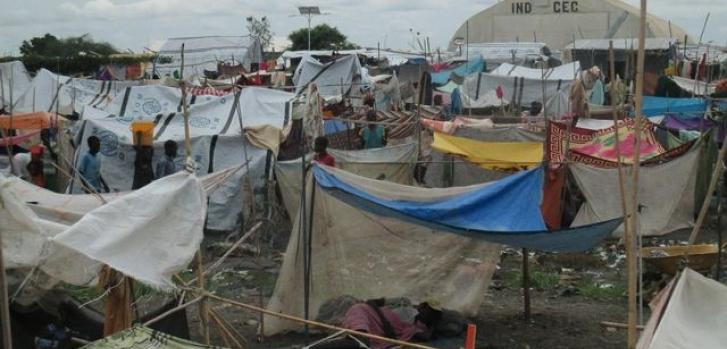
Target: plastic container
[[143, 132]]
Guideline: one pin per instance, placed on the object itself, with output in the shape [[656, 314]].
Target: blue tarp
[[505, 211], [334, 126], [474, 66], [661, 105]]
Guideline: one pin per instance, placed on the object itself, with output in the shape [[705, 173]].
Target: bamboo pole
[[172, 311], [631, 252], [526, 286], [716, 173], [225, 331], [203, 312], [5, 311], [621, 175], [317, 324], [229, 326]]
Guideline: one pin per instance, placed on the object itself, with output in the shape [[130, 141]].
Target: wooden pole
[[526, 286], [615, 112], [716, 173], [631, 252], [5, 304], [173, 310], [317, 324], [203, 309]]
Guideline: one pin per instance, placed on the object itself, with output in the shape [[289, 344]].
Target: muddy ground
[[570, 296]]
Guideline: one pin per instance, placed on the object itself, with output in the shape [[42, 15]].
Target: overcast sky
[[135, 24]]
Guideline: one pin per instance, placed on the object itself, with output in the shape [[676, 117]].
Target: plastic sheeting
[[202, 53], [393, 163], [367, 256], [501, 156], [13, 78], [661, 105], [473, 66], [506, 211], [567, 71], [666, 195], [478, 91], [149, 234], [210, 151], [334, 78], [693, 317]]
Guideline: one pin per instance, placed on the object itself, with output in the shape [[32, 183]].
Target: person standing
[[166, 166], [373, 135], [35, 167], [90, 168], [322, 156]]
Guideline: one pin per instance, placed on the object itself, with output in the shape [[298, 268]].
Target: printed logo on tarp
[[109, 142]]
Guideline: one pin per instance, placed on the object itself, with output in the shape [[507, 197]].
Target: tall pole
[[309, 19], [5, 304], [631, 252]]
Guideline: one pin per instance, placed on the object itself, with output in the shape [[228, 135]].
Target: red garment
[[362, 317], [326, 159]]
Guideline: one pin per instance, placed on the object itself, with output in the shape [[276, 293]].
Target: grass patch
[[590, 288], [540, 280]]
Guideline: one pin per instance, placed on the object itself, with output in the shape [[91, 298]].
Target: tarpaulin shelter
[[503, 156], [334, 78], [216, 128], [148, 234], [473, 66], [370, 238], [666, 194], [568, 71], [495, 53], [688, 313], [480, 91], [14, 80], [393, 163], [661, 105], [204, 52], [446, 170]]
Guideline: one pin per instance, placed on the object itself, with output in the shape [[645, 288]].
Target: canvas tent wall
[[334, 78], [666, 194], [203, 52], [568, 71], [14, 80], [688, 315], [479, 91], [496, 53]]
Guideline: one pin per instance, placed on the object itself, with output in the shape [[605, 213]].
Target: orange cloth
[[29, 121]]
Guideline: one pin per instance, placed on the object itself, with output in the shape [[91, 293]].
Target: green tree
[[260, 28], [50, 46], [322, 37]]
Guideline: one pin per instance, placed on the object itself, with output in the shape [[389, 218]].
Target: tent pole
[[718, 271], [526, 286], [716, 174], [619, 163], [631, 252], [5, 311]]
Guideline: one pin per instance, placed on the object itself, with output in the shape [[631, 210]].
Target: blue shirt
[[373, 138], [165, 167], [90, 170]]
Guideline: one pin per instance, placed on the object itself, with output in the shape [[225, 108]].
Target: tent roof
[[621, 44], [205, 43]]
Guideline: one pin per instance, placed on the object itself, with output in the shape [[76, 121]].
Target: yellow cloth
[[265, 137], [492, 156]]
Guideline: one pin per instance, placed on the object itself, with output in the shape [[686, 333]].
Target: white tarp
[[502, 52], [14, 80], [694, 316], [149, 234], [479, 91], [568, 71], [334, 78], [367, 256], [394, 163], [210, 151], [697, 88], [666, 195], [202, 53]]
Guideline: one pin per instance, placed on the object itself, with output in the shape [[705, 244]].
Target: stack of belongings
[[369, 238]]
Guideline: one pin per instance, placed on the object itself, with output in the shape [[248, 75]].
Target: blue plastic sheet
[[661, 105], [474, 66], [506, 211]]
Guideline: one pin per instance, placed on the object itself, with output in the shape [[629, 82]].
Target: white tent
[[203, 52], [567, 71], [334, 78], [690, 314], [14, 80]]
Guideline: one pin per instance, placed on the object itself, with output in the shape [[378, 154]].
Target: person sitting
[[320, 147], [373, 135], [166, 166]]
